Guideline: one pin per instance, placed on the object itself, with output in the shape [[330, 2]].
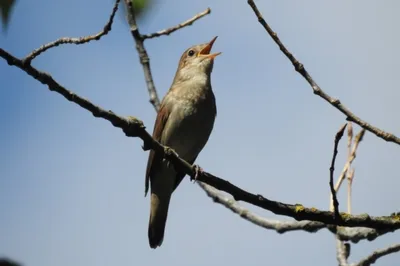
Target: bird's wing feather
[[154, 159]]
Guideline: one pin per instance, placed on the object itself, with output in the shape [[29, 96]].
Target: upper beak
[[206, 50]]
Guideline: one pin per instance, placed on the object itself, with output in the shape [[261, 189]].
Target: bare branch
[[133, 127], [350, 173], [276, 225], [338, 137], [299, 67], [343, 233], [378, 254], [144, 58], [81, 40], [177, 27], [357, 233], [357, 141], [342, 253]]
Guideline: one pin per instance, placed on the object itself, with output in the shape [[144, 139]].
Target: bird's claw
[[198, 171]]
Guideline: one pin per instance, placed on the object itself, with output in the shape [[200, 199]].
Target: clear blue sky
[[72, 186]]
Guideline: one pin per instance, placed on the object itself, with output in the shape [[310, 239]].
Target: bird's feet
[[198, 171]]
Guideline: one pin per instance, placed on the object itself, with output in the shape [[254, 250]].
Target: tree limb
[[133, 127], [299, 67]]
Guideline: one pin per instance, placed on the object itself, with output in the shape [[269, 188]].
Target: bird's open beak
[[206, 50]]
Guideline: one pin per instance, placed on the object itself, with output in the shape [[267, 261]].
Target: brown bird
[[184, 123]]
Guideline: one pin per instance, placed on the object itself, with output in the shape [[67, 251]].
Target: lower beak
[[205, 52]]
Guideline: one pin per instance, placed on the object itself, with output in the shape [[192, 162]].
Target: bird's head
[[197, 61]]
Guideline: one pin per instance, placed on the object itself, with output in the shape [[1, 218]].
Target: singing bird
[[184, 123]]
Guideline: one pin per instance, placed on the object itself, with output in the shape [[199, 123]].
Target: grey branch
[[107, 28], [133, 127], [343, 233], [276, 225], [378, 254], [299, 67], [342, 253], [177, 27], [144, 58]]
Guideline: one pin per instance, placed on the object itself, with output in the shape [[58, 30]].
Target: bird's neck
[[192, 87], [192, 79]]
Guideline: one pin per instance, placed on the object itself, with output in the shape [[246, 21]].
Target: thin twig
[[338, 136], [343, 249], [107, 28], [378, 254], [299, 67], [359, 137], [177, 27], [349, 188], [144, 58], [350, 173]]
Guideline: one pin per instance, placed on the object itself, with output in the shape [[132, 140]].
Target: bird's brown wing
[[155, 159]]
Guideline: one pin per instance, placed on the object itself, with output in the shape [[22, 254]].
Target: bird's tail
[[158, 218]]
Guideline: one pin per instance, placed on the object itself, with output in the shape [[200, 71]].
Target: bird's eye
[[191, 53]]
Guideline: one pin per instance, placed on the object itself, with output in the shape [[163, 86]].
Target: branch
[[177, 27], [343, 252], [378, 254], [359, 137], [144, 58], [299, 67], [278, 226], [107, 28], [357, 233], [338, 136], [133, 127], [353, 234], [343, 233]]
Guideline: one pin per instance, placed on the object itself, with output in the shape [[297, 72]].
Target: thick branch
[[133, 127], [299, 67], [80, 40], [177, 27]]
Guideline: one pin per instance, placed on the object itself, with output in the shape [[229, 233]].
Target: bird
[[184, 123]]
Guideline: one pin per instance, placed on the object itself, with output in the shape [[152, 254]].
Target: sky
[[72, 186]]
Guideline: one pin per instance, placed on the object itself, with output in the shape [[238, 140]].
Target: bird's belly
[[189, 136]]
